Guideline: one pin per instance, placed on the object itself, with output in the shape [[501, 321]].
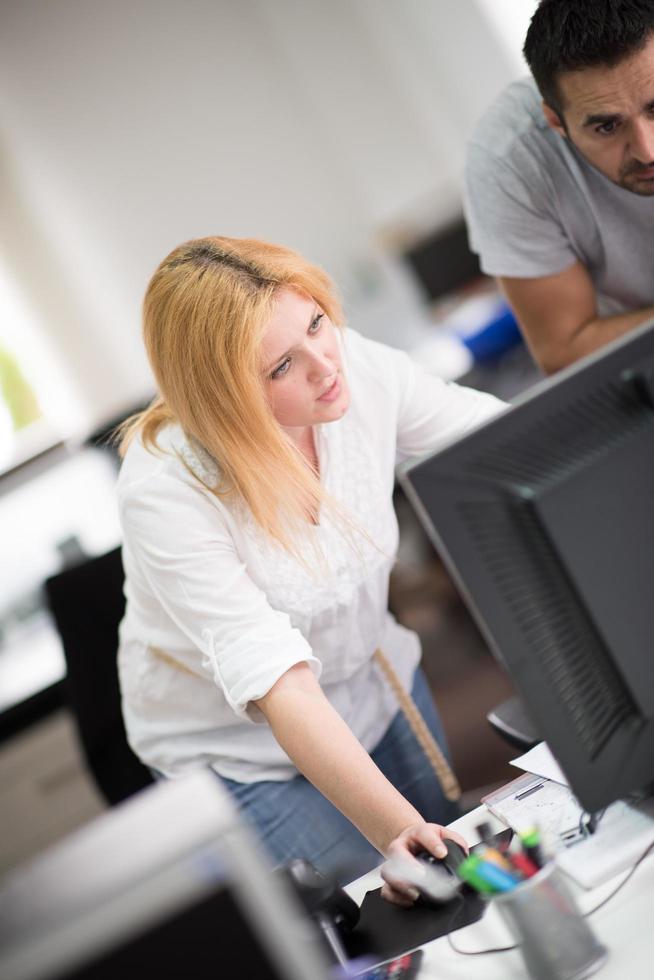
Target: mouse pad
[[386, 930]]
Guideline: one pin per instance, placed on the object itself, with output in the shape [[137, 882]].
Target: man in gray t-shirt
[[560, 179]]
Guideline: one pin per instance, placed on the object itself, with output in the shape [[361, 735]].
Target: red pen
[[523, 863]]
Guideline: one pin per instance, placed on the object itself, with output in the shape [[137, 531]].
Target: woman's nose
[[321, 366]]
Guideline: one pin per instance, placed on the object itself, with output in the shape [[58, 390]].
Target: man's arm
[[558, 316]]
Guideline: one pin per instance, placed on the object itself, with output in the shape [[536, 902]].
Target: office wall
[[128, 127]]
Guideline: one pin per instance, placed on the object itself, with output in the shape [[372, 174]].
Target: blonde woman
[[256, 503]]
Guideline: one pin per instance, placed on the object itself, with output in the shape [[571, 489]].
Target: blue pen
[[502, 881]]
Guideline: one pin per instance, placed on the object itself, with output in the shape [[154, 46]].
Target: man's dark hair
[[569, 35]]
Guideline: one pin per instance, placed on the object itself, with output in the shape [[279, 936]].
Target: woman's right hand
[[417, 837]]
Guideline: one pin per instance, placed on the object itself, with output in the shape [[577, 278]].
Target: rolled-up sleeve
[[181, 546]]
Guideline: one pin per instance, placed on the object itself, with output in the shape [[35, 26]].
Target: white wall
[[130, 126], [510, 21]]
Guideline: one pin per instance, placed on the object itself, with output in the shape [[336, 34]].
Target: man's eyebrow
[[601, 117], [290, 350]]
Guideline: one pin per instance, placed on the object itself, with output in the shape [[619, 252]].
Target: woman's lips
[[332, 392]]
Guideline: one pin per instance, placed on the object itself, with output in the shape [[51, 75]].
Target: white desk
[[625, 926]]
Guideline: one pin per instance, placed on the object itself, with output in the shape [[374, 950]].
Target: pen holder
[[556, 941]]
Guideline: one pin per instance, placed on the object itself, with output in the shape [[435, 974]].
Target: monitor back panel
[[545, 517]]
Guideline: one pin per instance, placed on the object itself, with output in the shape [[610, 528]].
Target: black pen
[[528, 792], [532, 846]]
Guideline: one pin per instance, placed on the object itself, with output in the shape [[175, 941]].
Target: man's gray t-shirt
[[534, 206]]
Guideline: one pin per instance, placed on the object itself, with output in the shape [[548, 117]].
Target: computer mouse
[[449, 864], [443, 883], [455, 855]]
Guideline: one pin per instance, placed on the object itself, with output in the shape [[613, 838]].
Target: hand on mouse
[[413, 839]]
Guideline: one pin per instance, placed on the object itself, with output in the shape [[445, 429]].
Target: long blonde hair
[[204, 313]]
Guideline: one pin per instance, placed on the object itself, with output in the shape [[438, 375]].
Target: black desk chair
[[87, 603], [511, 720]]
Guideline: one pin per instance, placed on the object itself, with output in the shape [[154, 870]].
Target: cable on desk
[[474, 952], [589, 825]]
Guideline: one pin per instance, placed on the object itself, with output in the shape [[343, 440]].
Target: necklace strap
[[418, 726]]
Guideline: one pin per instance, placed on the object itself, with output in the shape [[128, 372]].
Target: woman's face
[[302, 365]]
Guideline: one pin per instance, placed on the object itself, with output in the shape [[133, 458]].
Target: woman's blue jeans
[[292, 819]]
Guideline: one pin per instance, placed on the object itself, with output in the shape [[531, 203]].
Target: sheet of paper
[[541, 762]]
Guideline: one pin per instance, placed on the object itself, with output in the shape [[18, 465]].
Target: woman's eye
[[281, 369], [315, 323]]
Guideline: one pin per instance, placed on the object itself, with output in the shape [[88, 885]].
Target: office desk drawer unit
[[45, 789]]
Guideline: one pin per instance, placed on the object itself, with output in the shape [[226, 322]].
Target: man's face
[[608, 113]]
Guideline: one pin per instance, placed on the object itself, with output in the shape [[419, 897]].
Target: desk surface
[[624, 926]]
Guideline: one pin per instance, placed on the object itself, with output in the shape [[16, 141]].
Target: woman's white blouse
[[216, 612]]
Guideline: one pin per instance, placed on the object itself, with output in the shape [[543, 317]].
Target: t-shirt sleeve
[[183, 548], [512, 223]]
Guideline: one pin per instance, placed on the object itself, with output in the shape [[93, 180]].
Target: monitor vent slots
[[534, 586], [567, 440]]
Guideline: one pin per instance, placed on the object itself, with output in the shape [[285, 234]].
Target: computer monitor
[[545, 518], [443, 261], [169, 884]]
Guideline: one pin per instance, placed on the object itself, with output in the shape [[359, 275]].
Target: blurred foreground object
[[170, 884]]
